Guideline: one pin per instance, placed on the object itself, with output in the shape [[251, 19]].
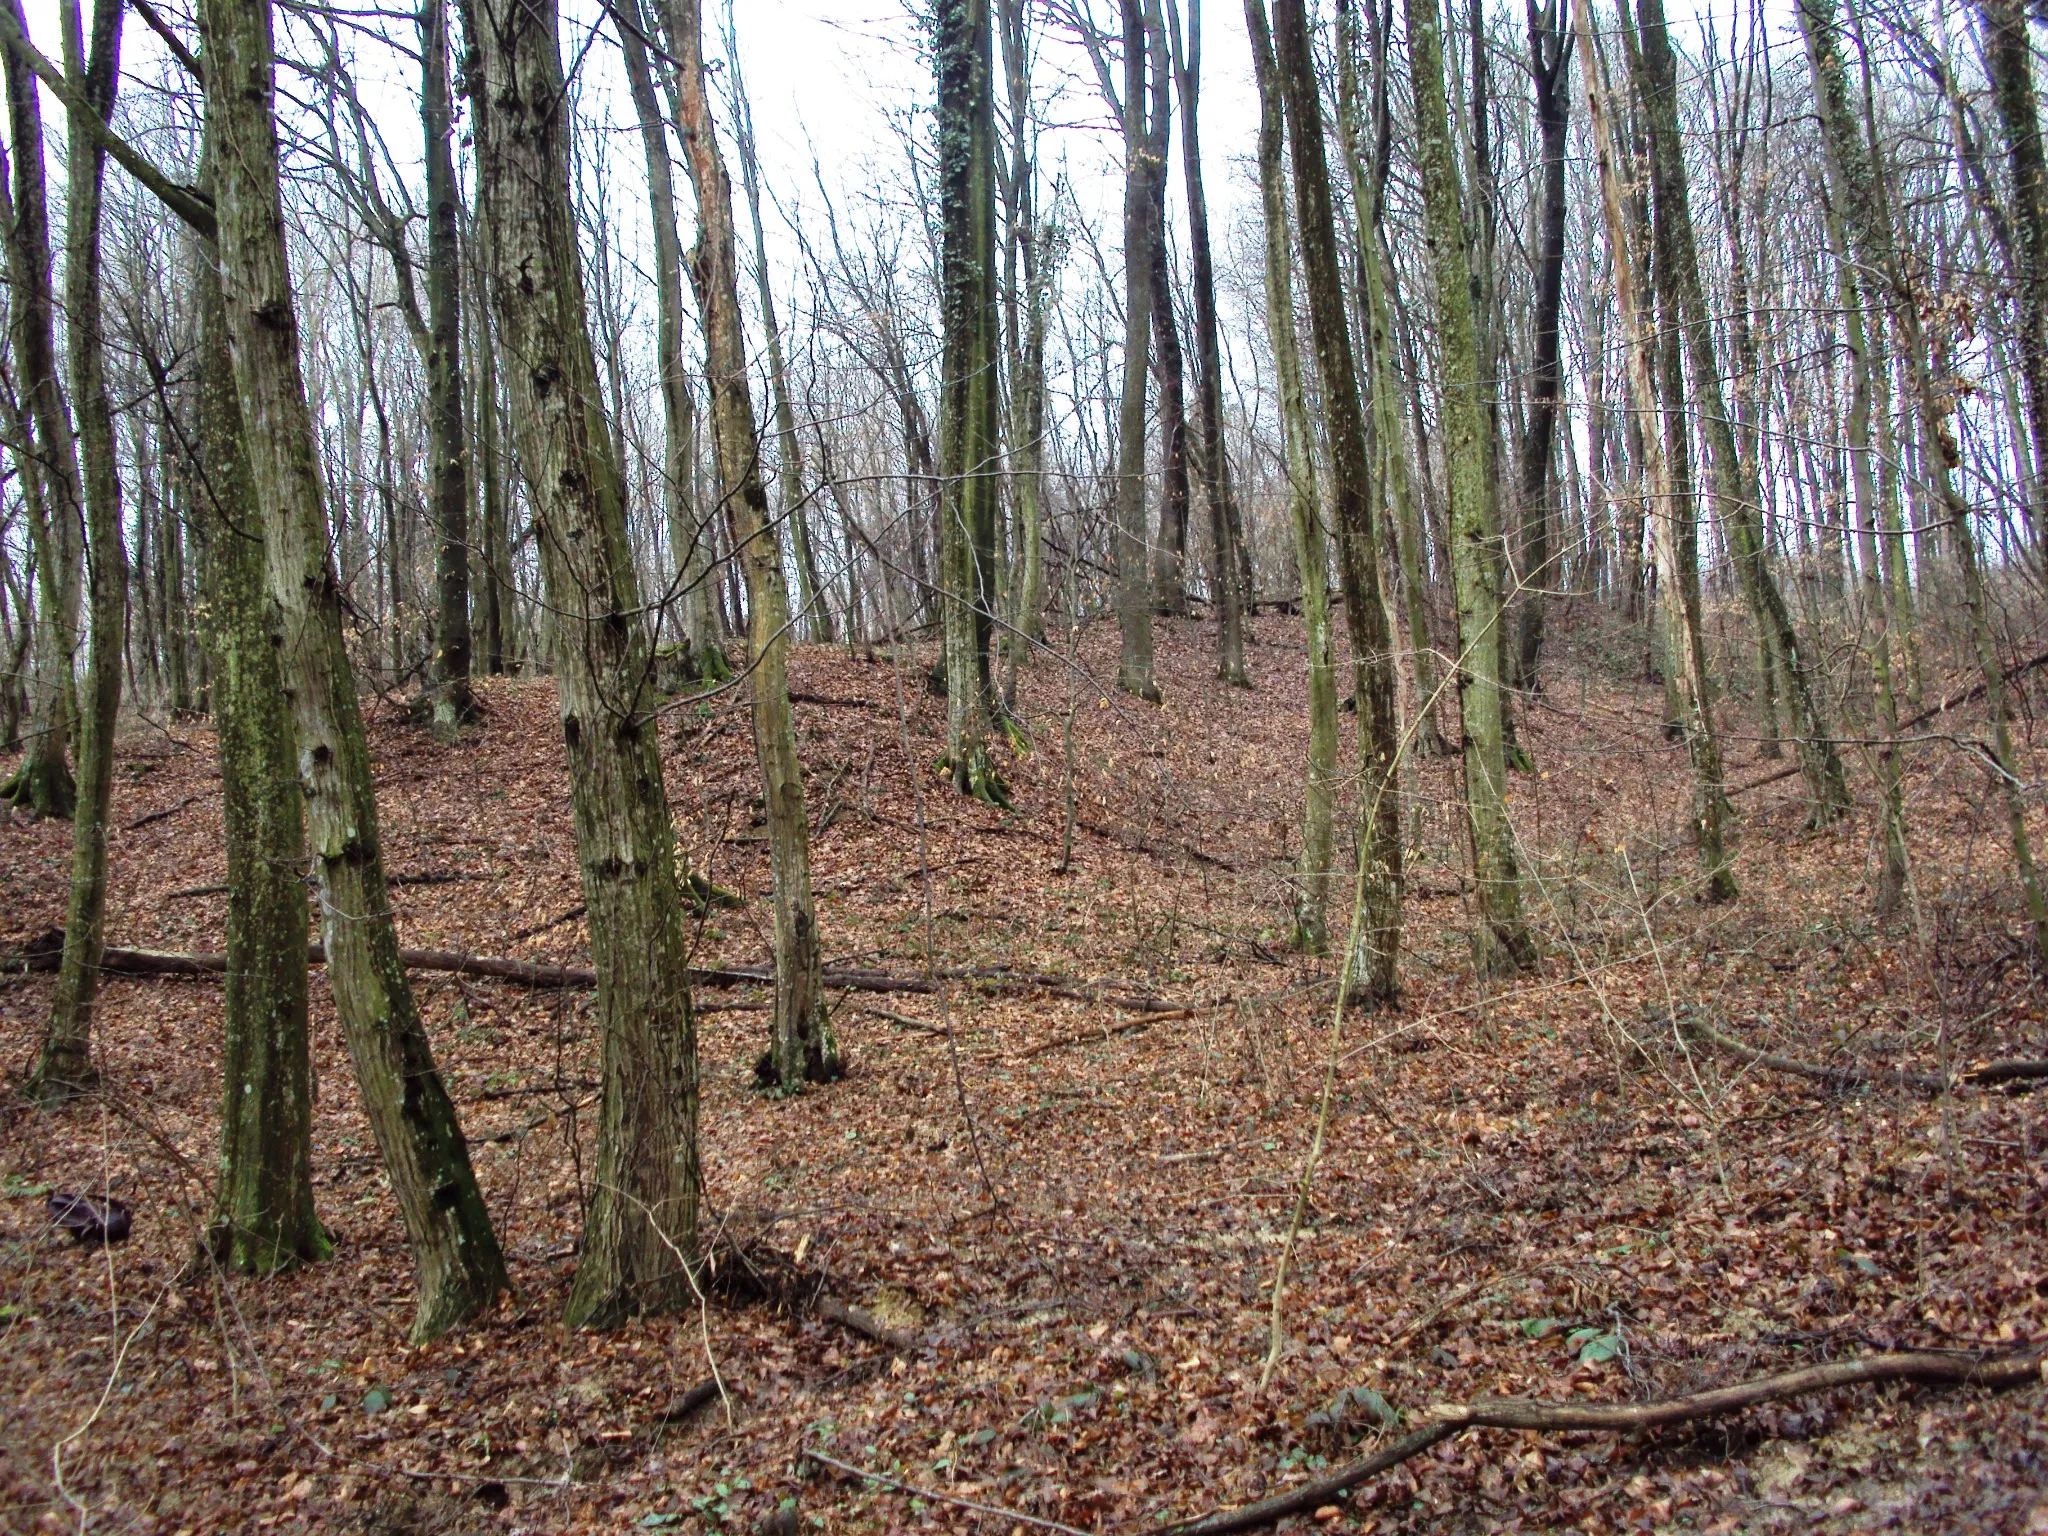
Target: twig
[[943, 1498], [1092, 1036], [154, 816], [1861, 1077], [1927, 1368], [903, 1020]]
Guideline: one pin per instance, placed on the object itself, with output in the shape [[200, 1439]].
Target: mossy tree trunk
[[1313, 871], [1029, 252], [263, 1217], [1864, 199], [1501, 942], [970, 449], [2009, 60], [456, 1259], [1734, 481], [1375, 973], [65, 1064], [640, 1231], [801, 1044], [54, 497]]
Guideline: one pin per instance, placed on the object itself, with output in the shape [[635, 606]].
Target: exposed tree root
[[1448, 1419]]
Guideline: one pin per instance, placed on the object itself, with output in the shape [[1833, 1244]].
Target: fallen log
[[867, 1325], [47, 952], [1862, 1077], [1447, 1419]]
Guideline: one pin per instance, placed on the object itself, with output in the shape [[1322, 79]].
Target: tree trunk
[[813, 617], [2009, 60], [1211, 459], [1144, 163], [65, 1064], [801, 1045], [1549, 67], [689, 534], [1685, 655], [640, 1233], [970, 450], [263, 1218], [1861, 194], [56, 506], [1500, 941], [447, 443], [1027, 366], [1304, 505], [1735, 485], [456, 1259], [1375, 971]]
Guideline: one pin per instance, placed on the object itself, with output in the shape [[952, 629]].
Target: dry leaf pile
[[1546, 1189]]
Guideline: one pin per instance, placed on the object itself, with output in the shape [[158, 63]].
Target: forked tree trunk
[[1313, 872], [65, 1064], [1500, 940], [1376, 298], [1375, 975], [1685, 655], [43, 783], [263, 1216], [641, 1230], [456, 1259], [801, 1045], [970, 449]]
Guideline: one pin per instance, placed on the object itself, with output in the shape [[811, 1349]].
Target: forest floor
[[1536, 1189]]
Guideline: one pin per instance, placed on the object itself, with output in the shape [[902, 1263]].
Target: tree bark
[[447, 442], [689, 533], [801, 1045], [456, 1260], [813, 617], [1304, 506], [1735, 484], [1144, 165], [2009, 60], [1549, 69], [1862, 196], [640, 1232], [54, 496], [1211, 458], [970, 449], [263, 1219], [65, 1064], [1375, 973], [1685, 655], [1500, 941]]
